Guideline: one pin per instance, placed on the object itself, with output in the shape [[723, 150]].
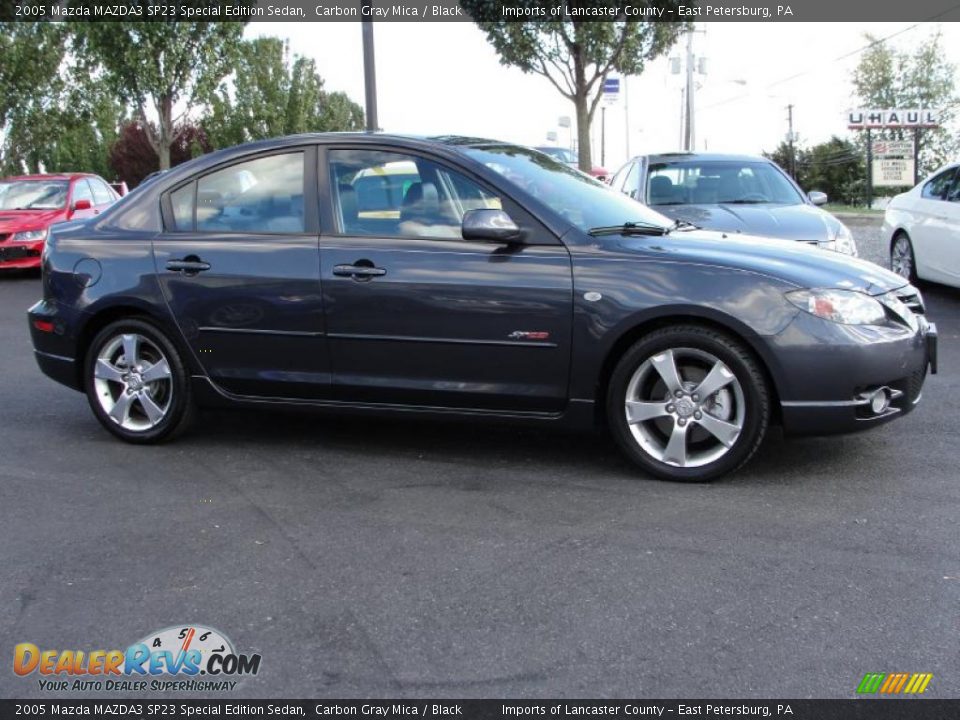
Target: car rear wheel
[[902, 260], [688, 403], [136, 383]]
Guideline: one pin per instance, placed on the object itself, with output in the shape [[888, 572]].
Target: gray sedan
[[734, 194]]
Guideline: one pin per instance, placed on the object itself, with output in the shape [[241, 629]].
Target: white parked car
[[922, 227]]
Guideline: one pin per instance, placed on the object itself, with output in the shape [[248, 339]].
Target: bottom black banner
[[901, 709]]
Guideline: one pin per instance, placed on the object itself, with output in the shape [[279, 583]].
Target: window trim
[[311, 210], [330, 225]]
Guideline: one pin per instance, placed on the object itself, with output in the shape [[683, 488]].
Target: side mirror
[[817, 197], [82, 205], [489, 225]]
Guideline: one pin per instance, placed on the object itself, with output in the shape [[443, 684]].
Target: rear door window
[[264, 195]]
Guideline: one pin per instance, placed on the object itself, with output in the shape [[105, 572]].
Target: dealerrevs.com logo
[[179, 658]]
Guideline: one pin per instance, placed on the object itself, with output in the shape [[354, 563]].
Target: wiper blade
[[683, 225], [744, 202], [629, 228]]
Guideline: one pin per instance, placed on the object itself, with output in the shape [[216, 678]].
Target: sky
[[445, 78]]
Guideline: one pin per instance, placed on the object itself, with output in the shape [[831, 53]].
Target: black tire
[[901, 236], [176, 391], [698, 344]]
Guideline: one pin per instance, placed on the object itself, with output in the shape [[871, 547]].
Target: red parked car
[[30, 204]]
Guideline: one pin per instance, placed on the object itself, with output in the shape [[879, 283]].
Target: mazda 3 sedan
[[471, 278], [733, 193]]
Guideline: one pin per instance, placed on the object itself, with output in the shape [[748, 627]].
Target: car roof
[[709, 157], [49, 176]]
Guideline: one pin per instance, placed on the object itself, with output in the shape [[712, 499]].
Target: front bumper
[[835, 371], [20, 255]]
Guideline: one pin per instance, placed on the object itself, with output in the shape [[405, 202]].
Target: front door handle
[[190, 265], [358, 271]]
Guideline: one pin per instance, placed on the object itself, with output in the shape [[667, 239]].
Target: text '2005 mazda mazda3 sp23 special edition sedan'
[[456, 276]]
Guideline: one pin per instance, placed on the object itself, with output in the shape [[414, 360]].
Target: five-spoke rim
[[901, 261], [133, 382], [685, 407]]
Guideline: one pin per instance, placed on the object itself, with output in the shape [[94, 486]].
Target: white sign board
[[893, 164], [891, 172]]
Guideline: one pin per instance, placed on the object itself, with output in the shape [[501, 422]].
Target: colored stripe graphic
[[871, 682], [894, 683]]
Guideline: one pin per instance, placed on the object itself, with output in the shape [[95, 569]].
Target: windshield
[[711, 182], [583, 201], [33, 194], [559, 153]]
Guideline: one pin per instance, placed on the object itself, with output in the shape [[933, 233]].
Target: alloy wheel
[[901, 257], [685, 407], [133, 382]]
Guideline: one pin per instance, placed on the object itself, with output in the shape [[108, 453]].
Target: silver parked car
[[732, 193]]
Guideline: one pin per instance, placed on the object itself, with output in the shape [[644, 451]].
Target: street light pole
[[369, 72], [793, 157], [603, 135]]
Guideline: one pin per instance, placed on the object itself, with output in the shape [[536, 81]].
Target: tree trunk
[[583, 133], [580, 100], [166, 131]]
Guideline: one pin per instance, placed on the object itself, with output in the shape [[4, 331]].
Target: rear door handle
[[358, 271], [190, 265]]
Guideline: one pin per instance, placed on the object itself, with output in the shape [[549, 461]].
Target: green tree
[[271, 93], [169, 65], [577, 55], [74, 136], [31, 55], [889, 78], [835, 167]]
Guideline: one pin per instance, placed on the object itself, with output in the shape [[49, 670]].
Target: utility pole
[[369, 72], [687, 94], [689, 142]]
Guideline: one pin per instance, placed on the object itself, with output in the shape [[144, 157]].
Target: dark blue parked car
[[464, 277]]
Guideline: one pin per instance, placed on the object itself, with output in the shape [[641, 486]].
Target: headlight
[[840, 306], [842, 242], [29, 236]]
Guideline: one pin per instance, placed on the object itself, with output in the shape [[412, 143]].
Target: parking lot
[[367, 557]]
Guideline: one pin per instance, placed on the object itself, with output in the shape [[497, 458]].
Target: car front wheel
[[902, 260], [688, 403], [136, 383]]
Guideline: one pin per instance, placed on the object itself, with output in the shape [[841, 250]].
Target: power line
[[834, 60]]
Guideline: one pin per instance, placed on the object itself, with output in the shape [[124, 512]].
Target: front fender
[[650, 292]]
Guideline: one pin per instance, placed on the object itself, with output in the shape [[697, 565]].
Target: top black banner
[[503, 10]]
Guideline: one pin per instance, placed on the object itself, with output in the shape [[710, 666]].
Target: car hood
[[799, 264], [18, 220], [788, 222]]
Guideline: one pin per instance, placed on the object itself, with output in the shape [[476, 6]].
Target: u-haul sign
[[890, 119]]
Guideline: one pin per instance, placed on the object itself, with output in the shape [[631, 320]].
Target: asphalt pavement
[[376, 558]]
